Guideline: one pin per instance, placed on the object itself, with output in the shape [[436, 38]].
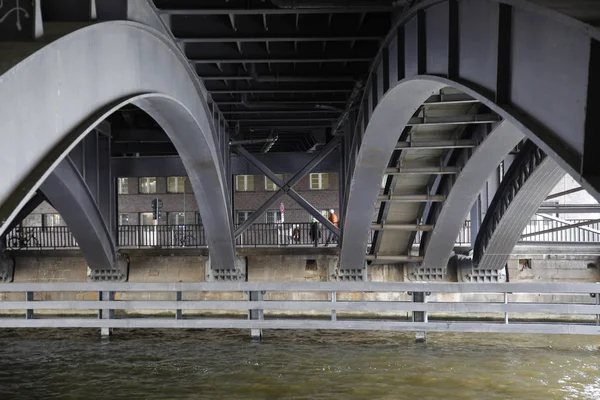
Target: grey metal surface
[[69, 194], [434, 287], [549, 328], [367, 306], [134, 64], [528, 181], [537, 84], [482, 163]]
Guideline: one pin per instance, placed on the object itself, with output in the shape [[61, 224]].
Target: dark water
[[188, 364]]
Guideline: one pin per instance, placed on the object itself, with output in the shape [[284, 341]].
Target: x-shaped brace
[[286, 187]]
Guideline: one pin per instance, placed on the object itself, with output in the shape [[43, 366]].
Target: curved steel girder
[[527, 183], [66, 189], [385, 126], [484, 161], [545, 85], [72, 84]]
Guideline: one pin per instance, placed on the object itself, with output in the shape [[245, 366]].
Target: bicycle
[[23, 241], [184, 238]]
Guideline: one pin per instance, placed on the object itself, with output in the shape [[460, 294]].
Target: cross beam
[[286, 187]]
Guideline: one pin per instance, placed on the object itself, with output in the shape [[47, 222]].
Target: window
[[198, 218], [244, 183], [242, 216], [176, 218], [147, 185], [53, 220], [124, 219], [319, 181], [324, 213], [146, 219], [270, 185], [176, 184], [274, 217], [123, 186]]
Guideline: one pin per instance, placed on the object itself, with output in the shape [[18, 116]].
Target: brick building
[[135, 196]]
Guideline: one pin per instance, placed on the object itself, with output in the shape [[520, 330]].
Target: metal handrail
[[288, 234]]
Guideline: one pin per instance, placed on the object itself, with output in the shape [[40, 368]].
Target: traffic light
[[156, 206]]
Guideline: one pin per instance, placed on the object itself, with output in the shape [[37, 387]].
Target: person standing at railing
[[333, 218], [315, 233]]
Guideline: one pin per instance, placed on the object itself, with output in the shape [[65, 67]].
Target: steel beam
[[420, 170], [437, 144], [276, 11], [276, 39], [285, 187], [570, 209], [269, 91], [178, 105], [402, 227], [561, 228], [289, 60], [437, 247], [563, 221], [564, 193], [411, 198], [455, 120], [453, 98], [530, 178], [66, 189]]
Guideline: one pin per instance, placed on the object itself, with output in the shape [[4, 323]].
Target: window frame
[[141, 217], [246, 181], [270, 182], [320, 185], [148, 181], [179, 181], [122, 185], [180, 214], [120, 221], [247, 213]]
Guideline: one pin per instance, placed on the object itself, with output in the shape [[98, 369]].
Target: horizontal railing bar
[[201, 323], [482, 307], [440, 287]]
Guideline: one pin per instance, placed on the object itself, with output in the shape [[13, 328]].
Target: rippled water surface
[[198, 364]]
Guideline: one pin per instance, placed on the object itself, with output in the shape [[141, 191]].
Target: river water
[[226, 364]]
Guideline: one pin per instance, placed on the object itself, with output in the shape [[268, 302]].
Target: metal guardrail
[[286, 234], [502, 299]]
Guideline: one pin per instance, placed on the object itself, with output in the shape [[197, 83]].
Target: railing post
[[255, 314], [333, 311], [598, 304], [29, 312], [506, 313], [420, 316], [105, 313], [178, 312]]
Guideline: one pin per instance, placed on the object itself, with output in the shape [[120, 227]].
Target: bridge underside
[[419, 124]]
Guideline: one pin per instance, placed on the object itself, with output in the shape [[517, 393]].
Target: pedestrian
[[315, 233], [333, 218]]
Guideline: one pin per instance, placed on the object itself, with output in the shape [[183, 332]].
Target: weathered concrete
[[190, 266]]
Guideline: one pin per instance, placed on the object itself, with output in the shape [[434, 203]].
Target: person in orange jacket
[[333, 218]]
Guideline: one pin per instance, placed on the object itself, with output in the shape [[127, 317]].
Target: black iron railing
[[38, 237], [286, 234]]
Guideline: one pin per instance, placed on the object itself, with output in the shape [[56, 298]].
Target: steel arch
[[72, 84], [535, 67]]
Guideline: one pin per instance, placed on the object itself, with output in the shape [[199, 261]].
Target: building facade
[[180, 207]]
